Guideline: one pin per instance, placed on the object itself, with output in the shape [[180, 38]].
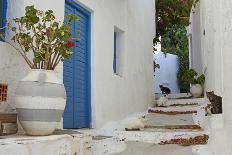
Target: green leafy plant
[[176, 42], [191, 77], [155, 65], [171, 13], [172, 17], [39, 33]]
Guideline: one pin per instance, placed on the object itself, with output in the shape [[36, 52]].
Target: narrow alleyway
[[171, 130]]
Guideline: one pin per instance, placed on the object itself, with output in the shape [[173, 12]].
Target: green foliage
[[175, 41], [171, 13], [39, 32], [155, 65], [191, 77], [172, 17]]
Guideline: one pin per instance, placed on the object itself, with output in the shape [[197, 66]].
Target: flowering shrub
[[40, 33], [171, 13]]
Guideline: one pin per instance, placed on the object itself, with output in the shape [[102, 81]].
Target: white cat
[[136, 123], [208, 109], [162, 101]]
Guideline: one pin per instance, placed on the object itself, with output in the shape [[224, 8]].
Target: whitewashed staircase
[[182, 124], [172, 123]]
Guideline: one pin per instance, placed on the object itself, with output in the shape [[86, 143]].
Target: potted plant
[[190, 77], [43, 42]]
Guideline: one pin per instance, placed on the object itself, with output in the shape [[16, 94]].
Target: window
[[118, 51], [115, 53], [2, 13]]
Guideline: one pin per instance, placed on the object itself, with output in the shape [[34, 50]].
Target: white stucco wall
[[12, 66], [113, 96], [216, 58], [166, 75], [195, 39], [116, 96]]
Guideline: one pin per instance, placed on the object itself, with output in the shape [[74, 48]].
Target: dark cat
[[165, 90], [216, 102]]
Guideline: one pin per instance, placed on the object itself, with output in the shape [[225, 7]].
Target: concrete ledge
[[201, 150], [158, 95], [63, 142]]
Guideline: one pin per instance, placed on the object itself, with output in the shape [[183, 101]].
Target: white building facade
[[212, 30], [114, 94]]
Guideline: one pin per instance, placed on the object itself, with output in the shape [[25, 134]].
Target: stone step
[[155, 119], [202, 150], [176, 110], [165, 137], [107, 145], [138, 148], [61, 142], [175, 127], [199, 101]]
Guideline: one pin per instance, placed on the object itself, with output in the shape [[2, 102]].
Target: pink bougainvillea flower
[[70, 44]]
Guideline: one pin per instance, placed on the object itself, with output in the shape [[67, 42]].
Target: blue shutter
[[69, 81], [77, 75], [4, 7], [115, 53]]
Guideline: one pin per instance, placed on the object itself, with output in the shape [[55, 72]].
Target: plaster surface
[[62, 142], [166, 75], [112, 95], [136, 148], [215, 33]]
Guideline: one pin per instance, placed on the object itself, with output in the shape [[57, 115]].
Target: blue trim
[[115, 53], [88, 51], [76, 5], [90, 75], [4, 14]]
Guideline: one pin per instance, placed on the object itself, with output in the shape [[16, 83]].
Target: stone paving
[[136, 148]]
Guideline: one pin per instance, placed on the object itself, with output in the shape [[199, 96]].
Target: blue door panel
[[77, 72]]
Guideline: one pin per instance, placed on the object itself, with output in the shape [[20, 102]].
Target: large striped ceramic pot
[[40, 101]]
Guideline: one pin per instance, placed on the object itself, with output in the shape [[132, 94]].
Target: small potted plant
[[43, 42], [190, 77]]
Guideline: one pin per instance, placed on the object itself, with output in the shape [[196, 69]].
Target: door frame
[[88, 13]]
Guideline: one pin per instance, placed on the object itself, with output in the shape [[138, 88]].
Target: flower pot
[[216, 121], [196, 90], [40, 101]]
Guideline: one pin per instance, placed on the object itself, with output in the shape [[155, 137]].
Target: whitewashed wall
[[195, 39], [216, 21], [12, 66], [113, 97], [166, 75]]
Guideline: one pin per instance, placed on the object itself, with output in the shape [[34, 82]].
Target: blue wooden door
[[77, 71]]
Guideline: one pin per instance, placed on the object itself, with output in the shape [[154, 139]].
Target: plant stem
[[59, 57]]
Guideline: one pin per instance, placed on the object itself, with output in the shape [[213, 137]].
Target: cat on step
[[136, 124], [162, 102], [165, 90], [216, 102]]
